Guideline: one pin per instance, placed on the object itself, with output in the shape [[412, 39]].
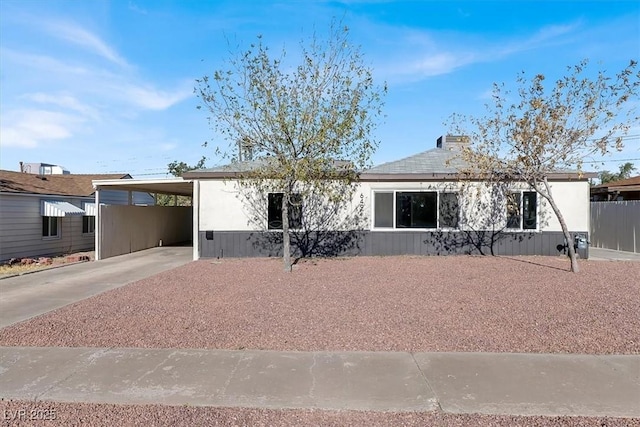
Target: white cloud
[[153, 99], [135, 8], [30, 128], [31, 61], [431, 57], [64, 101], [168, 146], [79, 36]]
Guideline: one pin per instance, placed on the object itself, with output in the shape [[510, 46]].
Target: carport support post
[[195, 206], [130, 198], [98, 228]]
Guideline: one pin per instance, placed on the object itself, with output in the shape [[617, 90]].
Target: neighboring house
[[624, 189], [415, 205], [52, 214]]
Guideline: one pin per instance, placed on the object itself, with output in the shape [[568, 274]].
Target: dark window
[[274, 219], [449, 210], [513, 210], [417, 210], [49, 226], [529, 210], [88, 224], [383, 210]]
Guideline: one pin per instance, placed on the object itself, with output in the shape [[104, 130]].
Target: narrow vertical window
[[383, 210], [513, 210], [449, 210], [529, 210]]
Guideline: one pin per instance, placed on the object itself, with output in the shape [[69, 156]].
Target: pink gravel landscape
[[458, 303], [87, 414]]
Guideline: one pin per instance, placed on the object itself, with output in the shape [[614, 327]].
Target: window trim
[[58, 234], [393, 227]]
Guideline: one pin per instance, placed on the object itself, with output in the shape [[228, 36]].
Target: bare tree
[[528, 135], [297, 119]]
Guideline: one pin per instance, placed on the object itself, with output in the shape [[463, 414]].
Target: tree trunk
[[565, 230], [286, 238]]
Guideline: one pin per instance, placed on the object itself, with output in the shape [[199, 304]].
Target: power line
[[613, 160]]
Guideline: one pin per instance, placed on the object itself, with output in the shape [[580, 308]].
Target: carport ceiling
[[180, 187]]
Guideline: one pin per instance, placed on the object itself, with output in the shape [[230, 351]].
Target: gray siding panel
[[21, 229], [266, 244], [616, 225]]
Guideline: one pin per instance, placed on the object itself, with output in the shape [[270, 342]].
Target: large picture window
[[274, 220], [416, 209], [522, 210], [50, 226]]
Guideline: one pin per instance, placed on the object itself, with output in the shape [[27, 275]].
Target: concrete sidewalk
[[28, 295], [486, 383]]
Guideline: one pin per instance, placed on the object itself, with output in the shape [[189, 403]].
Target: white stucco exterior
[[221, 208]]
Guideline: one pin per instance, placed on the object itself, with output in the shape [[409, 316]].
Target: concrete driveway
[[29, 295], [602, 254]]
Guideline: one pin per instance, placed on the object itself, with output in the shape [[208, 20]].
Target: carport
[[122, 229]]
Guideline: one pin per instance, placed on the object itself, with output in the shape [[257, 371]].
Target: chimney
[[453, 142], [21, 167]]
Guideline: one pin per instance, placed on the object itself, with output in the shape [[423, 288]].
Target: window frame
[[394, 226], [521, 220], [50, 236]]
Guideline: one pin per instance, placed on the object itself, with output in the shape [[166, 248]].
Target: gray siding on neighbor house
[[21, 229], [215, 244]]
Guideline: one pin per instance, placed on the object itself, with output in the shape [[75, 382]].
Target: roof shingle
[[62, 185]]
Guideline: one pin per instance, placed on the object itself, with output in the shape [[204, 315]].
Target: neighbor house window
[[50, 226], [88, 224], [274, 219], [416, 210], [522, 210]]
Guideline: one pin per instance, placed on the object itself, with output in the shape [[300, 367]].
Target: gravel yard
[[458, 303], [48, 414]]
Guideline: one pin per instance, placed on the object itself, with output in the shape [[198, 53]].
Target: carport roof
[[178, 186]]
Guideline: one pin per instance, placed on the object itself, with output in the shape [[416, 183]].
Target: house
[[624, 189], [416, 205], [52, 213]]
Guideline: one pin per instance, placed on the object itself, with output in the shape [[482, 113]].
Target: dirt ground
[[461, 303], [7, 270]]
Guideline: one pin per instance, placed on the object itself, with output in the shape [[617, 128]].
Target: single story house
[[417, 205], [624, 189], [52, 214]]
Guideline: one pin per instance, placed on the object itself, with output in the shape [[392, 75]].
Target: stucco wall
[[127, 229], [222, 210]]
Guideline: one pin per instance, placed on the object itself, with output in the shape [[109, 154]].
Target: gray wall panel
[[616, 225], [265, 244]]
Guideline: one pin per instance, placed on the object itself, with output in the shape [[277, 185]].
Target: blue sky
[[107, 86]]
